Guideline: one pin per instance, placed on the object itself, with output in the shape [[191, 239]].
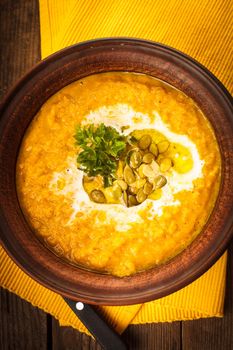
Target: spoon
[[105, 336]]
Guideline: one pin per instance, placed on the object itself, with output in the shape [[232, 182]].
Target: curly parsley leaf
[[101, 147]]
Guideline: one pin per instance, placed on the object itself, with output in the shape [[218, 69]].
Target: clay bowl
[[19, 108]]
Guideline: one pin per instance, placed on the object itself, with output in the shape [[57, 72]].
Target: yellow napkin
[[200, 29], [203, 298]]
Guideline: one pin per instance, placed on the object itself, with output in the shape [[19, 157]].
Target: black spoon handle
[[108, 339]]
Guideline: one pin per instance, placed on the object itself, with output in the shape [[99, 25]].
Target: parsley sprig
[[101, 147]]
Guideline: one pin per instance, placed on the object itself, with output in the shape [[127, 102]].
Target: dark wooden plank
[[214, 333], [22, 325], [19, 40], [155, 336], [138, 337], [67, 338]]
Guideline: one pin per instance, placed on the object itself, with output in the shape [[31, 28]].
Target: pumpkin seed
[[140, 171], [132, 140], [144, 142], [151, 170], [129, 176], [125, 198], [148, 171], [113, 194], [122, 184], [148, 157], [135, 159], [116, 190], [165, 164], [160, 181], [139, 183], [154, 149], [163, 146], [98, 196], [127, 159], [133, 190], [141, 196], [120, 169], [155, 166], [148, 188], [132, 201]]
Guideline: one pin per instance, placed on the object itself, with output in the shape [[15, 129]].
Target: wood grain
[[65, 338], [22, 325], [161, 336], [19, 40], [214, 333], [138, 337], [25, 327]]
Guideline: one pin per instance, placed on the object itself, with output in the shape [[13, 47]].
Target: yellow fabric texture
[[200, 29]]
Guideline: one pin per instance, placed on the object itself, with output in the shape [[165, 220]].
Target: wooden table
[[26, 327]]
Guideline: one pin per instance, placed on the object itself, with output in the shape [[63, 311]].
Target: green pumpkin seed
[[140, 171], [155, 166], [148, 157], [125, 198], [132, 140], [139, 183], [132, 201], [141, 196], [163, 146], [122, 184], [129, 176], [116, 190], [133, 190], [120, 169], [148, 188], [160, 181], [165, 164], [144, 142], [154, 149], [135, 159], [148, 171], [98, 196]]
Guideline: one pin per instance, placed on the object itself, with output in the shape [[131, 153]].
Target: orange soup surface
[[118, 172]]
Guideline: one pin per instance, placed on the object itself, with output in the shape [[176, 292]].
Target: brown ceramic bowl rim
[[150, 58]]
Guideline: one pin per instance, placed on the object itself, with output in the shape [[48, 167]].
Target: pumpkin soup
[[118, 172]]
